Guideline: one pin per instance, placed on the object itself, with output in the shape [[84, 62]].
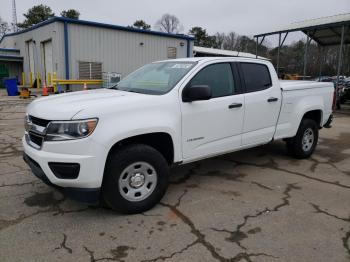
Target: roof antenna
[[14, 16]]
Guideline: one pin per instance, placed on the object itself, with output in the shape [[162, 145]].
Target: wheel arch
[[161, 141], [316, 115]]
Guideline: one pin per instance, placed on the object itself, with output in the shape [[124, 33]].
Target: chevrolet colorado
[[116, 145]]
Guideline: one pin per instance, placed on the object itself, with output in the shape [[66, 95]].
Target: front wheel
[[136, 178], [304, 143]]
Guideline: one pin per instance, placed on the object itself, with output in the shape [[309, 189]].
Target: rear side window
[[256, 77], [218, 77]]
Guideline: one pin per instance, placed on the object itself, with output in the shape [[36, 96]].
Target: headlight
[[68, 130]]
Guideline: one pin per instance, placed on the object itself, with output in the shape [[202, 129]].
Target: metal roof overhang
[[9, 58], [324, 31]]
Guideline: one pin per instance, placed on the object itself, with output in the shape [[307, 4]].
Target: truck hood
[[66, 106]]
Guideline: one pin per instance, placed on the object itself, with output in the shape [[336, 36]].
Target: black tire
[[295, 145], [117, 163]]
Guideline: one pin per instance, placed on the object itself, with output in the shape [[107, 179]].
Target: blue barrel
[[11, 86]]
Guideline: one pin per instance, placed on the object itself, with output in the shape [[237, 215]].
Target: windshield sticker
[[182, 66]]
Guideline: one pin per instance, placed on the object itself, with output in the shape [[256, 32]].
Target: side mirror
[[196, 93]]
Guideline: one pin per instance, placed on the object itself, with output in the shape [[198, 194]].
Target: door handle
[[272, 99], [235, 105]]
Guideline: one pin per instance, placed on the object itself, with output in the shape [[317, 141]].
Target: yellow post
[[49, 79], [37, 80], [54, 77], [23, 79], [30, 79]]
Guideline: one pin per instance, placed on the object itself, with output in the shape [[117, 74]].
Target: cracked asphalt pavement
[[254, 205]]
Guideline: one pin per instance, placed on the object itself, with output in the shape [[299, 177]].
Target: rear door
[[213, 126], [262, 103]]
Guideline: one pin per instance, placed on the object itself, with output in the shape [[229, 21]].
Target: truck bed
[[299, 97], [290, 85]]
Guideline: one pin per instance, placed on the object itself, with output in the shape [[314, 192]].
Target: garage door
[[48, 65], [30, 52]]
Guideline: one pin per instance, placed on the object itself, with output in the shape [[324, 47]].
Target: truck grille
[[36, 131], [39, 121], [36, 139]]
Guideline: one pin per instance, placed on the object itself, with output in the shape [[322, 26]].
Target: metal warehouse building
[[77, 49]]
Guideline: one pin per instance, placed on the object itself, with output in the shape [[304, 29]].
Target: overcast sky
[[246, 17]]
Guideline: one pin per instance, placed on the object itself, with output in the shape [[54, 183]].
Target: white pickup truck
[[117, 144]]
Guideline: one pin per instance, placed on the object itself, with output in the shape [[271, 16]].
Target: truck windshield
[[156, 78]]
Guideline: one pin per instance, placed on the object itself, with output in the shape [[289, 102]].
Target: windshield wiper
[[132, 91], [125, 90]]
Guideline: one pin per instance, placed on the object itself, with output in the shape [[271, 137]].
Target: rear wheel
[[136, 178], [304, 143]]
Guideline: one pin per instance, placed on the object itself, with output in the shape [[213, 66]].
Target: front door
[[213, 126]]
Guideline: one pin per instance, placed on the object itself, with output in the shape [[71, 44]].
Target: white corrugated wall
[[119, 51]]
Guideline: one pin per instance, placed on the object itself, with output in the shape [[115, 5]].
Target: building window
[[171, 52], [90, 70]]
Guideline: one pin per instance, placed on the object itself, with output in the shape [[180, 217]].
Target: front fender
[[144, 131], [156, 114]]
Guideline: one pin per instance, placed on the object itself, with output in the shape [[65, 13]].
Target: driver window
[[219, 77]]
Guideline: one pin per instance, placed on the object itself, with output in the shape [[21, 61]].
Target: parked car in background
[[345, 91], [323, 79], [327, 79], [117, 144]]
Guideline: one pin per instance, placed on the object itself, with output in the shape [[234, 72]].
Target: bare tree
[[230, 42], [220, 40], [4, 27], [169, 23]]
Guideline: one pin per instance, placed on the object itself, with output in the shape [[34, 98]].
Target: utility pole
[[14, 16]]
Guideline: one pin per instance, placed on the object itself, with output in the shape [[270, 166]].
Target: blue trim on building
[[102, 25], [9, 49], [46, 22], [66, 51], [10, 57]]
